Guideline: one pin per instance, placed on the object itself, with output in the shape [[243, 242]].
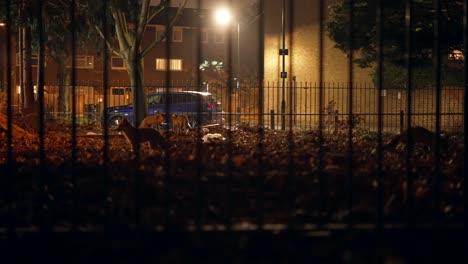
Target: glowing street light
[[223, 17]]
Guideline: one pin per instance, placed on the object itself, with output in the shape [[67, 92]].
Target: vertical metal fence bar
[[167, 158], [230, 165], [438, 86], [465, 96], [198, 152], [139, 97], [291, 173], [298, 103], [409, 112], [312, 105], [350, 109], [10, 179], [44, 180], [283, 65], [321, 94], [379, 170], [260, 188], [238, 79], [105, 128], [20, 62], [74, 132], [380, 190]]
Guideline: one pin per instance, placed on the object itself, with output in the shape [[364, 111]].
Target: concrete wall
[[302, 40], [302, 101]]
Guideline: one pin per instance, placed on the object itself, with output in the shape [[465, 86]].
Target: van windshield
[[155, 99]]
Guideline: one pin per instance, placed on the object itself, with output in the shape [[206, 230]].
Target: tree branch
[[156, 12], [142, 21], [119, 30], [98, 30], [158, 40]]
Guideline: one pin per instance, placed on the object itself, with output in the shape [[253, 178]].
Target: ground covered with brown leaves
[[240, 176]]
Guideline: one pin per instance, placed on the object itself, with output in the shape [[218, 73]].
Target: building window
[[219, 37], [204, 36], [120, 90], [174, 64], [84, 62], [177, 34], [117, 63], [160, 32], [34, 60]]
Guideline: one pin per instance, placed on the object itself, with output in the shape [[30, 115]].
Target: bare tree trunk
[[20, 68], [29, 100], [135, 72], [63, 76]]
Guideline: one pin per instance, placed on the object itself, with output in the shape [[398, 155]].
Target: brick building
[[89, 63]]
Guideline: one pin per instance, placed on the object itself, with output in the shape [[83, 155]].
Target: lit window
[[34, 60], [177, 34], [174, 64], [117, 63], [219, 37], [84, 62], [118, 91]]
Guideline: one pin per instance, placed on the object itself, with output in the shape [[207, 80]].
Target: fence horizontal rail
[[305, 108]]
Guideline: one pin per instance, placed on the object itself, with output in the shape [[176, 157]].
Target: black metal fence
[[321, 160], [305, 104]]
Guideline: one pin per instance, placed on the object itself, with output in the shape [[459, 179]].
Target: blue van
[[190, 103]]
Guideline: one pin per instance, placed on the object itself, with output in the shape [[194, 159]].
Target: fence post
[[238, 99], [336, 121], [272, 119], [402, 121]]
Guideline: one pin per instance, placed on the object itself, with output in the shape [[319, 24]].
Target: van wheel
[[192, 123], [113, 122]]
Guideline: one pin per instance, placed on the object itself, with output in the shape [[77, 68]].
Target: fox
[[180, 123], [419, 135], [135, 135], [156, 120]]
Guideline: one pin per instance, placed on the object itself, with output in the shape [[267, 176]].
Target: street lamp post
[[238, 72], [283, 52], [223, 17]]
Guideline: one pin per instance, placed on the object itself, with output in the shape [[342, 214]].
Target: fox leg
[[153, 143]]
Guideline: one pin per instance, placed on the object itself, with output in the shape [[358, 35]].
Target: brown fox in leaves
[[140, 135], [419, 135], [180, 123], [156, 120]]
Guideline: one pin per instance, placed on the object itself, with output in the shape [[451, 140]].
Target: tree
[[128, 20], [57, 28], [393, 28], [23, 19], [24, 14]]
